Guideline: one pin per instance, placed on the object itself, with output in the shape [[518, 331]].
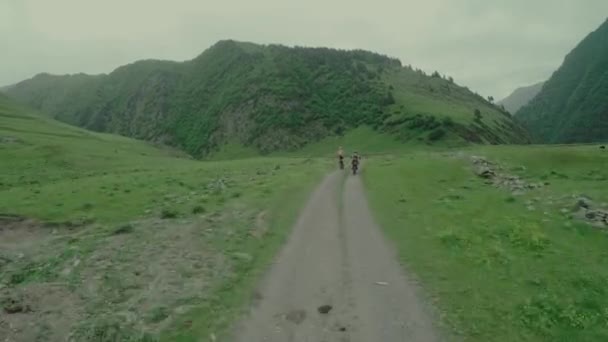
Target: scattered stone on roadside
[[586, 210], [564, 211], [14, 304], [583, 202], [324, 309], [485, 172], [491, 172], [531, 208], [382, 283]]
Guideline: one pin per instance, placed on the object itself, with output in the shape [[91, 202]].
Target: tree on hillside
[[389, 99], [477, 114], [361, 67], [436, 74], [451, 79], [491, 99]]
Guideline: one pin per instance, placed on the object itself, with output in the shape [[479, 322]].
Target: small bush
[[87, 206], [124, 229], [437, 134], [168, 214], [109, 329], [447, 121], [158, 315], [199, 209], [477, 114]]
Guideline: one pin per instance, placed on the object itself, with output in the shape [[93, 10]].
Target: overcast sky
[[492, 46]]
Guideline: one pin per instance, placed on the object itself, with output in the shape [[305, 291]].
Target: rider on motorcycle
[[355, 161], [341, 157]]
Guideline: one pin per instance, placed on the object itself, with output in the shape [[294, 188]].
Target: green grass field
[[105, 238], [498, 266], [133, 241]]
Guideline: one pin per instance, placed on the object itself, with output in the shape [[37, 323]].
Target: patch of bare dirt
[[154, 273], [20, 233], [62, 284], [39, 312]]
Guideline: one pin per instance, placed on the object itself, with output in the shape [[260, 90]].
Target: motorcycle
[[355, 168]]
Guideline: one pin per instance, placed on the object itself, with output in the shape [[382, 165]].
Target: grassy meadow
[[498, 265], [105, 238]]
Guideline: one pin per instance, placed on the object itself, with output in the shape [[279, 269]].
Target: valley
[[94, 226], [201, 200]]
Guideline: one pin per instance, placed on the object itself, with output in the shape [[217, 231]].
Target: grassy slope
[[427, 104], [269, 98], [498, 270], [68, 176]]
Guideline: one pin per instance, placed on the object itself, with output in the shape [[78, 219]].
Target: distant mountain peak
[[521, 97]]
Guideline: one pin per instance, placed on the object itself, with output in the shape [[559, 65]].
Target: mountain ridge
[[572, 107], [521, 97], [270, 97]]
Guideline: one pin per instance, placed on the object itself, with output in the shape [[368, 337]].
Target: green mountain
[[521, 97], [270, 98], [573, 104]]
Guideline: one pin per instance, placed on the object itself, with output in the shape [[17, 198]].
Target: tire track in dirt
[[336, 256]]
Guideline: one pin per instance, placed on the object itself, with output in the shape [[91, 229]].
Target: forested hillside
[[270, 98]]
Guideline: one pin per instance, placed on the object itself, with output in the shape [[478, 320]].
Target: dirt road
[[336, 256]]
